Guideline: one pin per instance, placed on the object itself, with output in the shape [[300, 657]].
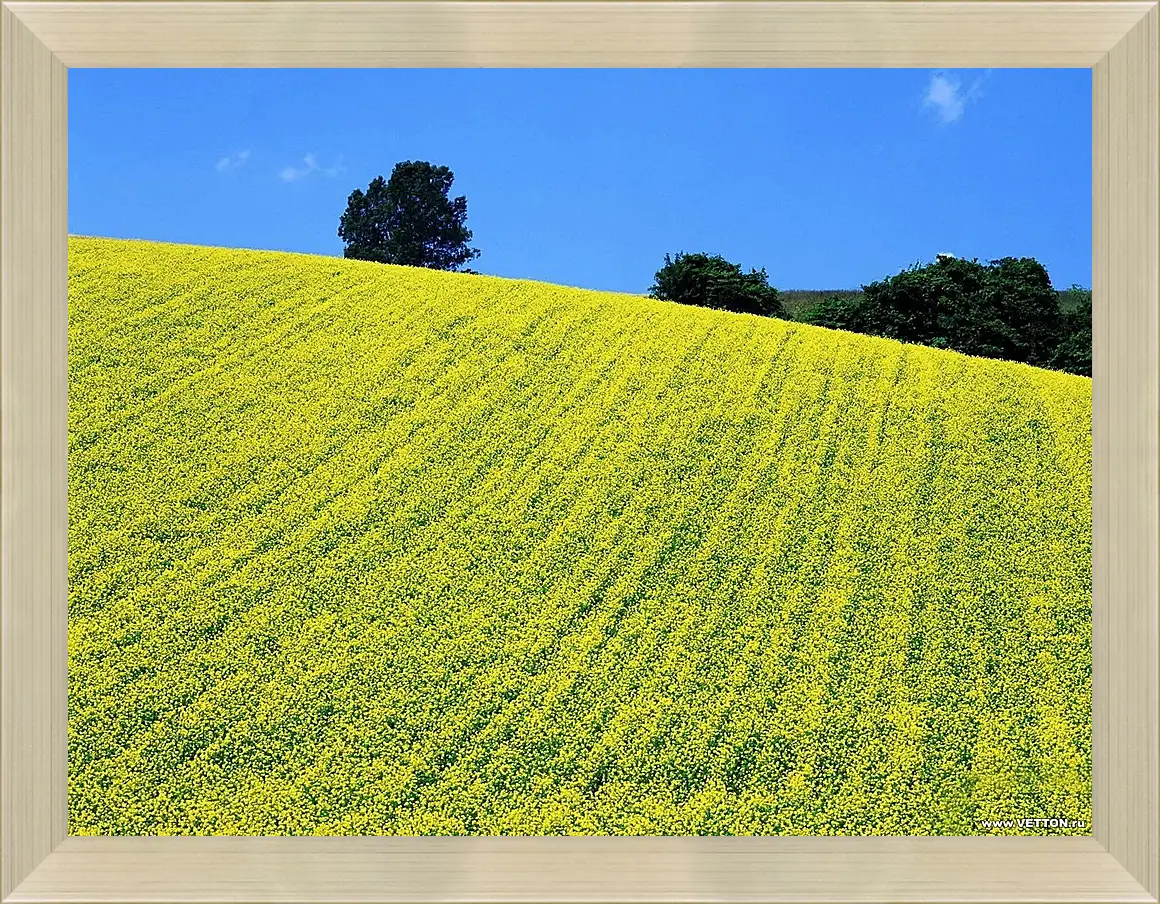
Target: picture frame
[[42, 39]]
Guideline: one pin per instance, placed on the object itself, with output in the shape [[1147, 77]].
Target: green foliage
[[408, 220], [1074, 297], [1019, 300], [1004, 309], [367, 550], [798, 302], [710, 281], [1074, 353], [836, 312]]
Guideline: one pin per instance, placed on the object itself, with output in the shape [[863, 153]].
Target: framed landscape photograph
[[579, 451]]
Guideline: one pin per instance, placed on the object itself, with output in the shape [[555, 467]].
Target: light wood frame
[[40, 40]]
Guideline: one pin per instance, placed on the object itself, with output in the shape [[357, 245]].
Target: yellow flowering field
[[358, 549]]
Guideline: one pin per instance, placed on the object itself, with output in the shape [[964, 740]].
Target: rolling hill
[[361, 549]]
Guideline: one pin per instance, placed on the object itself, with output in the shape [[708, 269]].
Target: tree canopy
[[710, 281], [1005, 309], [408, 219]]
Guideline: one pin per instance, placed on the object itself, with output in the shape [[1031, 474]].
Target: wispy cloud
[[310, 165], [946, 95], [234, 161]]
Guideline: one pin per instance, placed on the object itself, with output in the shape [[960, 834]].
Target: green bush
[[1006, 309], [710, 281]]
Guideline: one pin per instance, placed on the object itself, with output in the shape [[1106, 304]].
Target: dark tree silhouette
[[408, 220], [710, 281]]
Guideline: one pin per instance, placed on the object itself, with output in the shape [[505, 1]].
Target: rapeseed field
[[358, 549]]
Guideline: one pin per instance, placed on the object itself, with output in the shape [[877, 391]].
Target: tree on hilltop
[[710, 281], [408, 219]]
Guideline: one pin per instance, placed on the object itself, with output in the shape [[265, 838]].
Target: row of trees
[[1004, 308]]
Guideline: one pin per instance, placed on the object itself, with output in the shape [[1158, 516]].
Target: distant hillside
[[360, 549], [795, 301]]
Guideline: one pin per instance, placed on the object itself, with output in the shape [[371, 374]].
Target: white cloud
[[331, 172], [234, 161], [290, 173], [943, 95], [946, 95], [310, 165]]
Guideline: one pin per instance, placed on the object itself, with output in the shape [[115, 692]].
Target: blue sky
[[826, 178]]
